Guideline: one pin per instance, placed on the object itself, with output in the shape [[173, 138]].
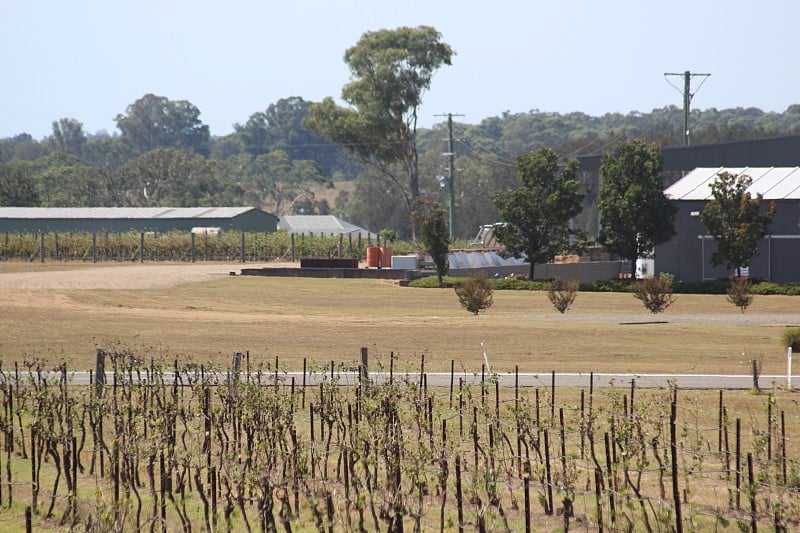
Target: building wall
[[254, 220], [688, 257]]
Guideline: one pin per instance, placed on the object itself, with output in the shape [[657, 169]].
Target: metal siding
[[160, 219], [781, 183], [682, 255]]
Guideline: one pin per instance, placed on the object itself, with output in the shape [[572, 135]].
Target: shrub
[[655, 293], [770, 287], [518, 285], [791, 337], [432, 282], [739, 293], [475, 294], [714, 286], [562, 294], [606, 285]]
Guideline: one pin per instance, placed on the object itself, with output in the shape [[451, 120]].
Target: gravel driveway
[[137, 276]]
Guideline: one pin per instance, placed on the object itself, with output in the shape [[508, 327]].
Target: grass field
[[328, 319], [203, 318]]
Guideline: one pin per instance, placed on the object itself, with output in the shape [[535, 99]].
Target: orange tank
[[373, 257], [386, 257]]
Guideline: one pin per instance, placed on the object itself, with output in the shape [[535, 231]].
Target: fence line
[[181, 246], [248, 442]]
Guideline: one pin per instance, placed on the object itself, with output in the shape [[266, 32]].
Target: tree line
[[280, 158]]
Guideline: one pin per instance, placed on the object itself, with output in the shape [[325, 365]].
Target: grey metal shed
[[688, 254], [122, 219]]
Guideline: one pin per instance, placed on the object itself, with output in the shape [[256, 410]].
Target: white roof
[[121, 212], [773, 183], [325, 224]]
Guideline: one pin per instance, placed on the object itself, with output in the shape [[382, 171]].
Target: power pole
[[452, 170], [687, 97]]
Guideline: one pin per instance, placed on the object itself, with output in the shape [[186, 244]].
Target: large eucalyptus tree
[[391, 69]]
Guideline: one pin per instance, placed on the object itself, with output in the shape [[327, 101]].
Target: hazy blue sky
[[90, 59]]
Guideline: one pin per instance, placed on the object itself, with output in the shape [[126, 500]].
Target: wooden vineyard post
[[34, 479], [303, 400], [552, 397], [549, 509], [598, 487], [673, 440], [459, 497], [751, 485], [769, 427], [783, 446], [738, 463], [213, 498], [611, 480], [363, 369], [526, 482], [452, 368], [719, 425], [583, 426], [460, 407]]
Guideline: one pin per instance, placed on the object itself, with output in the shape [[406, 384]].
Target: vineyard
[[166, 446], [181, 246]]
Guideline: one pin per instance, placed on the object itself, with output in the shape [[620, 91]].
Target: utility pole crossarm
[[687, 96]]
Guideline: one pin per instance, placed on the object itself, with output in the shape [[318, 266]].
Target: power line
[[496, 159]]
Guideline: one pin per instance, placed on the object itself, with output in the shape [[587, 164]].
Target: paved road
[[545, 379]]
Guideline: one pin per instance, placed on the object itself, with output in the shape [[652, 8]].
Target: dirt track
[[154, 276], [137, 276]]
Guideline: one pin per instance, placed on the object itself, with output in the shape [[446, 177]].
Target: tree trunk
[[532, 269], [633, 267]]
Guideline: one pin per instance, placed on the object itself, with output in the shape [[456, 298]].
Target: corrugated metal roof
[[773, 183], [111, 213], [325, 224]]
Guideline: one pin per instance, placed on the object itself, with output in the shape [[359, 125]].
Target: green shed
[[123, 219]]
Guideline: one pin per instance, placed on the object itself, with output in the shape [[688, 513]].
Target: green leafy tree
[[68, 136], [276, 182], [536, 215], [391, 69], [434, 233], [18, 187], [170, 177], [153, 122], [635, 214], [66, 181], [23, 147], [736, 220], [374, 204]]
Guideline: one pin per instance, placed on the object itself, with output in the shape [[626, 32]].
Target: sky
[[90, 59]]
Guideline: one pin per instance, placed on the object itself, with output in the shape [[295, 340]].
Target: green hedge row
[[621, 285]]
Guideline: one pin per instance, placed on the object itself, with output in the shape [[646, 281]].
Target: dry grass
[[326, 319]]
